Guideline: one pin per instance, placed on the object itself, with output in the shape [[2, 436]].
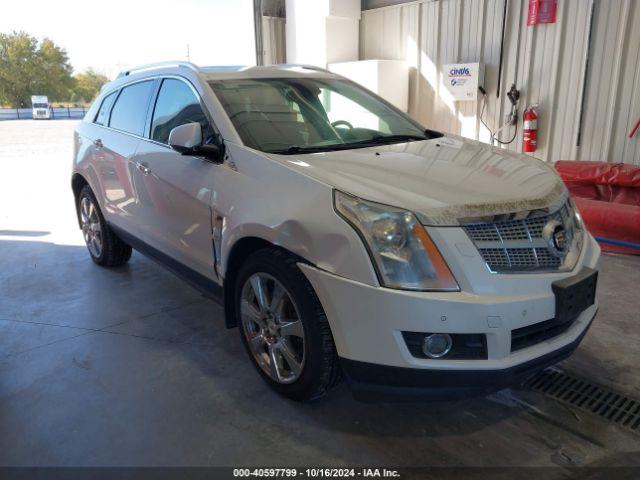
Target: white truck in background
[[40, 107]]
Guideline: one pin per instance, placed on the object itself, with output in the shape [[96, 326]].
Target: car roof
[[268, 71], [228, 71], [199, 76]]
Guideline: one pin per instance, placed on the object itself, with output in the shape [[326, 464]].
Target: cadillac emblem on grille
[[555, 235]]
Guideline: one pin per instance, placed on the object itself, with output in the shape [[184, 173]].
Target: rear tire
[[309, 362], [105, 248]]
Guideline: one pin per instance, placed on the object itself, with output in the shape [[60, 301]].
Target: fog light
[[436, 345]]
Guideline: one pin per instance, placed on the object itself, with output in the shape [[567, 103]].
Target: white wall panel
[[273, 34], [546, 62]]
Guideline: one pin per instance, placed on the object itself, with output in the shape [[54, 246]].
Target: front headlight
[[578, 226], [404, 255], [577, 218]]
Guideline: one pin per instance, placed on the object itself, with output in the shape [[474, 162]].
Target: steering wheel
[[342, 122]]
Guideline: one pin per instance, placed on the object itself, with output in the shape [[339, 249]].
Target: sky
[[111, 35]]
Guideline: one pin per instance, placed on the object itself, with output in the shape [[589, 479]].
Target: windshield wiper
[[386, 139], [377, 140], [389, 139], [394, 138], [309, 149]]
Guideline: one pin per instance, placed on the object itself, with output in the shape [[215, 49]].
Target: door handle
[[143, 168], [98, 143]]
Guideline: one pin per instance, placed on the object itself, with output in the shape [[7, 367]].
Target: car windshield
[[305, 115], [39, 105]]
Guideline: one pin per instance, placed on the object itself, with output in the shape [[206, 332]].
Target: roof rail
[[218, 68], [302, 65], [151, 66]]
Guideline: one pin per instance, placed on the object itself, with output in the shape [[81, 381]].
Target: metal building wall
[[546, 62]]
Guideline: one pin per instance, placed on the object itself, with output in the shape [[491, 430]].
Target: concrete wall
[[546, 62]]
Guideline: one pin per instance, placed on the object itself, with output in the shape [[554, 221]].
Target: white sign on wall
[[462, 80]]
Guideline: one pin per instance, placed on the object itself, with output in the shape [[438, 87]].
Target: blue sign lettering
[[460, 72]]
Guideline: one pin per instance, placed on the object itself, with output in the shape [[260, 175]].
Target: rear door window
[[177, 105], [130, 110], [103, 113]]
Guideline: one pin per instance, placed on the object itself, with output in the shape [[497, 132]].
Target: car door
[[94, 148], [174, 190], [116, 147]]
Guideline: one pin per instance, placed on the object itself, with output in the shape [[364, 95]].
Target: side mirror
[[186, 137], [187, 140]]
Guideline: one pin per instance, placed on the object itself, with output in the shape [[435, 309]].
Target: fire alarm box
[[462, 80], [542, 11]]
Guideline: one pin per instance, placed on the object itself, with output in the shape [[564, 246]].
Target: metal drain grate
[[587, 396]]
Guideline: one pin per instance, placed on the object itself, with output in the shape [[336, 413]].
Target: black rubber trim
[[575, 294], [372, 382], [525, 337], [204, 285]]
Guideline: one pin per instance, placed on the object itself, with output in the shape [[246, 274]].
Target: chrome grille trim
[[512, 246]]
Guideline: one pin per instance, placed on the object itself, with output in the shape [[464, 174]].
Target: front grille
[[538, 332], [518, 245]]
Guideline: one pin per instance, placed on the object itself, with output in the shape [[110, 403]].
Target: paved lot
[[133, 367]]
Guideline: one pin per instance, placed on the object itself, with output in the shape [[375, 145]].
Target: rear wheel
[[104, 246], [283, 326]]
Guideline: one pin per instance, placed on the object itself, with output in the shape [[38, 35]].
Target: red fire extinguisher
[[530, 135]]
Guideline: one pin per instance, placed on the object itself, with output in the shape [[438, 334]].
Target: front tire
[[283, 326], [105, 248]]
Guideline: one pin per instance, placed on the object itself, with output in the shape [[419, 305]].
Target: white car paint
[[367, 321], [287, 200]]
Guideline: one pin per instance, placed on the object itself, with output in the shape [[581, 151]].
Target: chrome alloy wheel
[[90, 224], [272, 327]]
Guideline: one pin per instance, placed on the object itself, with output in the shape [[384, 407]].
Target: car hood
[[445, 181]]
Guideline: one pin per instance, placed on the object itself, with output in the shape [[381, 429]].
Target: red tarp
[[608, 198]]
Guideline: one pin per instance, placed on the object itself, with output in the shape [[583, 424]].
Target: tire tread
[[330, 372], [115, 253]]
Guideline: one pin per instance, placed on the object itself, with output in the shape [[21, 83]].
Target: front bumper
[[367, 324], [369, 381]]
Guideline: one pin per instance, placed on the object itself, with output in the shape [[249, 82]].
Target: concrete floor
[[133, 367]]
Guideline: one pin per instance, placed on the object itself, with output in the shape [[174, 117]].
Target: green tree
[[86, 86], [29, 67], [18, 56], [54, 71]]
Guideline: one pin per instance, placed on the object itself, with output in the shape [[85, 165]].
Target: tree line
[[29, 67]]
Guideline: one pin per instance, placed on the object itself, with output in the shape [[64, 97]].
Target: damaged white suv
[[344, 238]]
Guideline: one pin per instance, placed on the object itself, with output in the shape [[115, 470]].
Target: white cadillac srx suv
[[343, 237]]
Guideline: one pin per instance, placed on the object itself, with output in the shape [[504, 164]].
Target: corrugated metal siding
[[546, 62]]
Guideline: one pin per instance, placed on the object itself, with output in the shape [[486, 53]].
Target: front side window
[[102, 116], [176, 105], [290, 115], [130, 110]]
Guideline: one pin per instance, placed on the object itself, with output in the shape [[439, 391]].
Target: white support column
[[319, 32]]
